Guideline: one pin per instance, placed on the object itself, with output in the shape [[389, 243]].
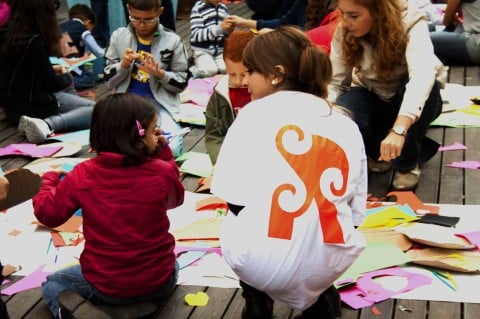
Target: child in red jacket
[[124, 193]]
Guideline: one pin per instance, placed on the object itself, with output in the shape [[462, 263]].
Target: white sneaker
[[36, 130], [22, 124]]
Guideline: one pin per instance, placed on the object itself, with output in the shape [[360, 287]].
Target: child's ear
[[160, 11]]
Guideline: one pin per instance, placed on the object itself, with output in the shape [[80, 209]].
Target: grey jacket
[[170, 53]]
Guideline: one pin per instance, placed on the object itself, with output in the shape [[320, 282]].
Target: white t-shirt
[[299, 193]]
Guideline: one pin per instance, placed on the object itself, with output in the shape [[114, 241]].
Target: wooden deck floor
[[438, 184]]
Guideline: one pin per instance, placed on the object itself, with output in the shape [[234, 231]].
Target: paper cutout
[[448, 259], [189, 257], [376, 256], [81, 137], [472, 237], [72, 63], [453, 147], [180, 249], [72, 225], [414, 202], [435, 219], [31, 150], [465, 164], [30, 281], [388, 216], [195, 163], [67, 148], [434, 235], [199, 299], [366, 292]]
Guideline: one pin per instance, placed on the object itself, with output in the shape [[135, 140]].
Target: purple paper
[[453, 147], [465, 164], [27, 149], [473, 237], [34, 280]]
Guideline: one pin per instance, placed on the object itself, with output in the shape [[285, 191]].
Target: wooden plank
[[219, 300], [442, 309]]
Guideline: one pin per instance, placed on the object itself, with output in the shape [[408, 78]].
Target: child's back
[[124, 193]]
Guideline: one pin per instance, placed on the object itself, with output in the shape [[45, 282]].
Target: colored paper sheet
[[453, 147], [72, 225], [30, 281], [180, 249], [367, 292], [414, 202], [81, 137], [465, 164], [377, 255], [389, 216], [28, 149], [196, 163]]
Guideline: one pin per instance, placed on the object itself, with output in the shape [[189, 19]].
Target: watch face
[[399, 130]]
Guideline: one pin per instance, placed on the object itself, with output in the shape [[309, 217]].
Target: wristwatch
[[399, 130]]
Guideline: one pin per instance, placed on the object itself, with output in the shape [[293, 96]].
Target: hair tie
[[141, 130]]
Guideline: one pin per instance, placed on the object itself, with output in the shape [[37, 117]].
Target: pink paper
[[366, 292], [453, 147], [5, 281], [465, 164], [34, 280], [204, 85], [27, 149], [473, 237]]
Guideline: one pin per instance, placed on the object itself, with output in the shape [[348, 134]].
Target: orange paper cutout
[[414, 202]]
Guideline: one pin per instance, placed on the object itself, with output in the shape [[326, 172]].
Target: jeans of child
[[451, 48], [72, 278], [168, 124], [375, 117], [74, 113]]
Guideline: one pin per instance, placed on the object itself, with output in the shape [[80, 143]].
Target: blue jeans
[[74, 113], [375, 117], [72, 278], [450, 47], [168, 124]]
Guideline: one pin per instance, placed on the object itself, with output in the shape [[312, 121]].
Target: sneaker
[[378, 166], [406, 180], [36, 130], [22, 124]]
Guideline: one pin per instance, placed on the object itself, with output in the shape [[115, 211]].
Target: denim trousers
[[375, 117], [72, 278], [74, 113], [168, 124], [450, 47]]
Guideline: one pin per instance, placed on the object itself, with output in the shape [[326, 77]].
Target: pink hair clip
[[141, 130]]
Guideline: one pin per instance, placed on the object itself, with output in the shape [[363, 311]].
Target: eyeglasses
[[144, 21]]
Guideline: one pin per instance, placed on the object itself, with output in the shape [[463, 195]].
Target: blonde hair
[[387, 37]]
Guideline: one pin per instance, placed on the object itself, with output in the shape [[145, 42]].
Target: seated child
[[229, 95], [79, 27], [124, 193], [208, 31]]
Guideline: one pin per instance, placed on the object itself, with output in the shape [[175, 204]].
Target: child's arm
[[200, 31], [54, 204], [91, 44]]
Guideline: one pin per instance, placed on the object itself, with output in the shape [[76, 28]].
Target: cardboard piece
[[203, 229], [434, 235], [211, 203], [386, 235], [23, 185], [448, 259], [66, 148]]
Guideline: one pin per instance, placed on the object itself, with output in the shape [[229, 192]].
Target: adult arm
[[54, 203], [341, 73], [450, 16], [50, 81]]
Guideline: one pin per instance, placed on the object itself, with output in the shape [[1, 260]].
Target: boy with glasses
[[149, 60]]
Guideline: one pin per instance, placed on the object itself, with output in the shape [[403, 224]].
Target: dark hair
[[82, 12], [316, 11], [145, 5], [307, 68], [114, 128], [30, 17], [235, 43]]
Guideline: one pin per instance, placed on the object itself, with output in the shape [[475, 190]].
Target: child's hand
[[162, 136], [4, 183], [10, 269], [150, 66], [59, 69], [227, 26], [128, 57]]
